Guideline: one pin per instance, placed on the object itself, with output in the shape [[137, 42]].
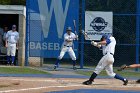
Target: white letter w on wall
[[46, 14]]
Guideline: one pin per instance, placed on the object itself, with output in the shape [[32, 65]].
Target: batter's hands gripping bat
[[74, 23]]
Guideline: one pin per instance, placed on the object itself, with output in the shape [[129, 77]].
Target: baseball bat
[[85, 34], [74, 23]]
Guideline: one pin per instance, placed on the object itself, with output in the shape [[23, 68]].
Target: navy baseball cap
[[69, 29]]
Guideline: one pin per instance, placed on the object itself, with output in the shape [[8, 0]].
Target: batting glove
[[94, 43]]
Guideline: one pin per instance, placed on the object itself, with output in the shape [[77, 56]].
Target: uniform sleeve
[[7, 35], [74, 36], [108, 41], [65, 37], [17, 36]]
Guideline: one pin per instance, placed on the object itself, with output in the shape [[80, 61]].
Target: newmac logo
[[98, 24], [46, 11]]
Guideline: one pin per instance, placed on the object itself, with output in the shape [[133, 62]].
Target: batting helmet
[[69, 29], [106, 36]]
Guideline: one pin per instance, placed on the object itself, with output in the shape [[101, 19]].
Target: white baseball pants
[[69, 50], [106, 63], [11, 49]]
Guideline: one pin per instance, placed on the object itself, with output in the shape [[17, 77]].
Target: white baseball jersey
[[72, 37], [109, 48], [67, 46], [107, 60], [12, 37]]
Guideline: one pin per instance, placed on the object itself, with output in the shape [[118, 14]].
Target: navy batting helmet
[[69, 29]]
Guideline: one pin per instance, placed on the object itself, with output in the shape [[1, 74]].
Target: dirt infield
[[44, 85]]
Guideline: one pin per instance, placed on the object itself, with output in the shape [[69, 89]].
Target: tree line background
[[13, 2]]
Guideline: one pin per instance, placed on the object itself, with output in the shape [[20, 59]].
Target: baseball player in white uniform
[[69, 36], [107, 44], [11, 42]]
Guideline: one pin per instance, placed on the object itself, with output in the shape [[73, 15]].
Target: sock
[[57, 62], [119, 77], [74, 62], [93, 76], [13, 59], [8, 59]]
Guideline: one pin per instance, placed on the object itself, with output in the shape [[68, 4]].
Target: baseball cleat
[[8, 64], [125, 82], [74, 68], [138, 81], [122, 67], [12, 64], [88, 82], [55, 67]]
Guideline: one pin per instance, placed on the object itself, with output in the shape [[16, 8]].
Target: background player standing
[[67, 47], [107, 44], [11, 43]]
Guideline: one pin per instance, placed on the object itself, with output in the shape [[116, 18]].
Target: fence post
[[137, 32], [27, 35], [82, 37]]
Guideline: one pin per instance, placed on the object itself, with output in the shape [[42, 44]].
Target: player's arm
[[6, 40], [96, 44], [105, 42], [75, 37], [17, 44]]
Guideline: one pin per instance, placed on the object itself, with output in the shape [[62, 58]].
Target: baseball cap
[[14, 26], [69, 29]]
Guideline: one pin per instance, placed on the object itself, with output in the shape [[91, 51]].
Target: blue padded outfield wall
[[46, 24]]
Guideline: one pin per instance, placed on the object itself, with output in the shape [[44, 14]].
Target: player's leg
[[62, 53], [101, 65], [13, 52], [73, 57], [8, 54], [109, 70]]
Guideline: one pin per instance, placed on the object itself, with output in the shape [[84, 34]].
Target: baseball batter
[[69, 36], [11, 42], [107, 44]]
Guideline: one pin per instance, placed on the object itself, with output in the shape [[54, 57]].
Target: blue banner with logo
[[47, 23]]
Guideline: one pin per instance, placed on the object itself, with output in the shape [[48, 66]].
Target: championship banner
[[47, 23], [98, 23]]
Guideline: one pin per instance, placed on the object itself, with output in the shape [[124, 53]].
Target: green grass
[[127, 73], [20, 70]]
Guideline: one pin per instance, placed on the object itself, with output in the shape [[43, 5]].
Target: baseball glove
[[122, 67]]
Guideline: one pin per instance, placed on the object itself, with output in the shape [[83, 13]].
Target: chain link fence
[[124, 30]]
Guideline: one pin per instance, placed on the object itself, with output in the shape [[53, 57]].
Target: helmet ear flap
[[101, 39]]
